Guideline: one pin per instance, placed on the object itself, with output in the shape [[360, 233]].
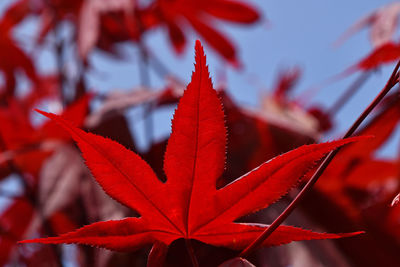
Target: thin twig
[[190, 250], [159, 67], [145, 81], [393, 80], [354, 87], [143, 66], [58, 49]]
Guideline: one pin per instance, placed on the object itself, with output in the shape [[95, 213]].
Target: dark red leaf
[[12, 227], [387, 53], [14, 15], [231, 10]]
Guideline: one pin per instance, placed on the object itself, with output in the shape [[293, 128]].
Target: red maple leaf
[[188, 205]]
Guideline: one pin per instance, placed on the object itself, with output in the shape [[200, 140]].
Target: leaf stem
[[145, 81], [393, 80], [190, 250], [143, 66], [59, 57], [353, 88]]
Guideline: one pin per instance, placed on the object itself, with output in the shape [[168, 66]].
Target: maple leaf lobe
[[195, 154]]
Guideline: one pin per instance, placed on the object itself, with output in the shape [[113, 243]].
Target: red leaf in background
[[176, 36], [118, 101], [16, 127], [200, 15], [382, 22], [285, 83], [29, 147], [391, 224], [188, 205], [17, 130], [60, 180], [229, 10], [381, 127], [46, 88], [53, 12], [16, 223], [61, 223], [384, 54], [372, 174], [216, 40], [104, 25], [13, 59], [13, 227], [75, 113], [89, 21], [14, 15], [356, 166]]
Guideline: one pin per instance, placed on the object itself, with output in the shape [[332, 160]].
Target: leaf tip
[[351, 234], [359, 138], [199, 47], [200, 55], [44, 113], [354, 234], [27, 241]]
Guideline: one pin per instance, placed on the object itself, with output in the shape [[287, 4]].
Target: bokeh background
[[289, 34]]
